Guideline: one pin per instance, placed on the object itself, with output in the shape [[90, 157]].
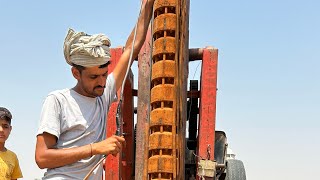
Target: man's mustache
[[99, 87]]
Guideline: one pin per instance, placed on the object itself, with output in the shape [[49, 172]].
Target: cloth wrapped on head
[[86, 50]]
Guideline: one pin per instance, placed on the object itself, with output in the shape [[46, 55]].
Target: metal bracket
[[206, 168]]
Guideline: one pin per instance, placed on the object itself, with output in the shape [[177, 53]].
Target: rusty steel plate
[[164, 45], [162, 116], [160, 140], [164, 92], [164, 3], [165, 22], [162, 69], [160, 164]]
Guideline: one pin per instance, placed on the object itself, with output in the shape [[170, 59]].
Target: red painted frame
[[113, 167], [207, 113]]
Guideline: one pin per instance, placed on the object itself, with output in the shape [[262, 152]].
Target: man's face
[[92, 81], [5, 129]]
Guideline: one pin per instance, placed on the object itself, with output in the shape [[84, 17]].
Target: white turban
[[86, 50]]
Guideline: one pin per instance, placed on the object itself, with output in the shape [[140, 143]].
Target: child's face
[[5, 129]]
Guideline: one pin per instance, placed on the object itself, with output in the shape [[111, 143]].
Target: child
[[9, 164]]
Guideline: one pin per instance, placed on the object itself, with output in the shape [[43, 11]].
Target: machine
[[156, 145]]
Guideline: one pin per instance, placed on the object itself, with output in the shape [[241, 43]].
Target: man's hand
[[111, 145]]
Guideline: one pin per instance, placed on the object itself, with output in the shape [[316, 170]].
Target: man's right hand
[[111, 145]]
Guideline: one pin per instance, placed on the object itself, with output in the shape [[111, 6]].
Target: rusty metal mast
[[166, 134]]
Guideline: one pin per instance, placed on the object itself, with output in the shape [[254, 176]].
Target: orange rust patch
[[164, 92], [160, 140], [161, 116], [159, 163], [165, 22], [164, 45], [158, 4], [164, 68]]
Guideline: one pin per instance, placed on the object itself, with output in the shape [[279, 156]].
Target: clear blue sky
[[268, 74]]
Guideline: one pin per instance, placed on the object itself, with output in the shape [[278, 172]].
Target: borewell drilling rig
[[156, 146]]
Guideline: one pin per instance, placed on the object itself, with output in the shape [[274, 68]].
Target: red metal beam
[[208, 92], [112, 165], [128, 130]]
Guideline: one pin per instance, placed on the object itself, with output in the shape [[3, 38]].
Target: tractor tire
[[235, 170]]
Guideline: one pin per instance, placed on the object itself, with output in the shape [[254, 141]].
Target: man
[[71, 136]]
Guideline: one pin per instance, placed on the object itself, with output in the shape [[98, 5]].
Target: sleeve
[[16, 173], [110, 92], [50, 116]]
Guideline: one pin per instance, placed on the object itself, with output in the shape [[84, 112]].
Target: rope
[[94, 167], [119, 120], [118, 116]]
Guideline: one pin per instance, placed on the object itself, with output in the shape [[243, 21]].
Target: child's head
[[5, 115], [5, 124]]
